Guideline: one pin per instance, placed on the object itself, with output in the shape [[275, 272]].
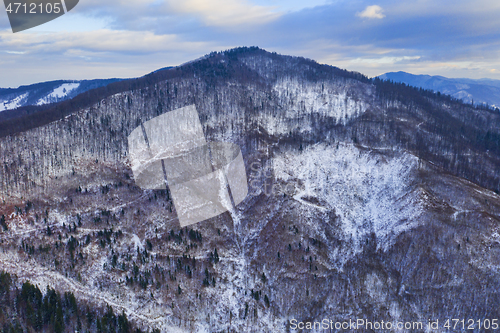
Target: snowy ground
[[369, 192], [58, 93], [13, 103]]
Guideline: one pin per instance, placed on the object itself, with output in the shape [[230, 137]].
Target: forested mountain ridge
[[448, 129], [368, 199], [44, 93]]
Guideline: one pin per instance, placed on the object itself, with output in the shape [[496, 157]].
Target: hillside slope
[[44, 93], [367, 200]]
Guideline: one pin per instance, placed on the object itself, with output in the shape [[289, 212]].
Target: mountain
[[482, 91], [367, 200], [46, 92]]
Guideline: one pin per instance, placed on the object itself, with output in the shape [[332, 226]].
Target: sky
[[130, 38]]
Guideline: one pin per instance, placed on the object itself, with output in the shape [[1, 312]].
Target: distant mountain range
[[482, 91], [46, 92]]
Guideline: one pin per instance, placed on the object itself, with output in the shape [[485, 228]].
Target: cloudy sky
[[129, 38]]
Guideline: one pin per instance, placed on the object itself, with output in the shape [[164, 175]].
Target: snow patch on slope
[[137, 242], [13, 103], [58, 93], [322, 98], [291, 106], [369, 192], [299, 101]]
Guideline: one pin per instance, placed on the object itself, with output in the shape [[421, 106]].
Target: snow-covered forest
[[383, 204]]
